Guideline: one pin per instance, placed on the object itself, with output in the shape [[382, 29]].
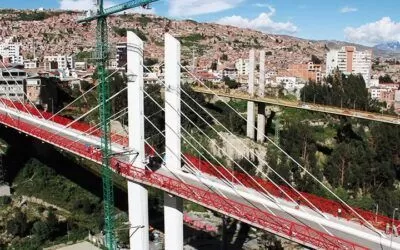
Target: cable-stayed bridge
[[282, 210]]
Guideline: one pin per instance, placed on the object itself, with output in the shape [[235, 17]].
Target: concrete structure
[[12, 83], [81, 66], [151, 78], [121, 57], [261, 106], [242, 67], [173, 206], [350, 61], [58, 62], [33, 86], [250, 105], [290, 82], [10, 52], [306, 71], [385, 92], [31, 64], [137, 193]]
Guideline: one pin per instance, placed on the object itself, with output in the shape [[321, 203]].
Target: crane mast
[[101, 56]]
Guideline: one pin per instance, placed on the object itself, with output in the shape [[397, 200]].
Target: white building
[[11, 52], [31, 64], [350, 61], [58, 62], [242, 67], [292, 85], [12, 83], [81, 66]]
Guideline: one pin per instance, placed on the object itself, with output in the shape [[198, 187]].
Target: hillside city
[[52, 199], [56, 48]]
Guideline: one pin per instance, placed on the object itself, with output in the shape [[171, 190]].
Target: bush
[[18, 226], [41, 230], [5, 200]]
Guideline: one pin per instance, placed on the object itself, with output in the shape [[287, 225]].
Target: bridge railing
[[214, 201], [325, 205]]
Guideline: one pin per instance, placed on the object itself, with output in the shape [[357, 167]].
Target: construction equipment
[[102, 54]]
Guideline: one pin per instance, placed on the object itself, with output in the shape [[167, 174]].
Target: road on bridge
[[340, 228], [235, 94]]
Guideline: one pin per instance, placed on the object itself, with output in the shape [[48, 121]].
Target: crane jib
[[117, 8]]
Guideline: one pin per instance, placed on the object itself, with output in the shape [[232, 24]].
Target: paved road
[[350, 231]]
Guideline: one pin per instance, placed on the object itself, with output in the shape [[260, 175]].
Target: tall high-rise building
[[10, 52], [242, 66], [350, 61]]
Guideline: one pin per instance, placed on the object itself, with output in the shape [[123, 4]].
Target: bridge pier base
[[173, 206], [261, 122], [173, 222], [137, 193]]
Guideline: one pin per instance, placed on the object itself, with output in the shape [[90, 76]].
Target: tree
[[232, 84], [248, 165], [385, 79], [214, 66], [52, 224], [315, 59], [156, 116], [190, 105], [41, 230], [18, 226]]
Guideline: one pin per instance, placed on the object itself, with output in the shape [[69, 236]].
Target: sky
[[360, 21]]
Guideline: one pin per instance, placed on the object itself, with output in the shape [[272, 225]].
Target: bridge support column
[[261, 106], [137, 193], [251, 105], [173, 206]]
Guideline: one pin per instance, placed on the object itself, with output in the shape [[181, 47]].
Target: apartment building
[[12, 83], [61, 62], [242, 67], [385, 92], [306, 71], [31, 64], [350, 61], [10, 52]]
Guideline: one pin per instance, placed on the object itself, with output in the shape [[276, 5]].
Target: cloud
[[348, 9], [261, 5], [186, 8], [89, 4], [384, 30], [262, 23]]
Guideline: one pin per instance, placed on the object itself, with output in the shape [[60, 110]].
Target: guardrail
[[280, 226]]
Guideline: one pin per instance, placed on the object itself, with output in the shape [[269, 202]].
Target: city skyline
[[341, 20]]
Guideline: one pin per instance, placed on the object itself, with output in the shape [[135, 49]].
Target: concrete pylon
[[137, 193], [173, 206], [261, 106], [250, 105]]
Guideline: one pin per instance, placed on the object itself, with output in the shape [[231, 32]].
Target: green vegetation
[[341, 91], [84, 55], [144, 20], [232, 84], [32, 16], [385, 79], [122, 32]]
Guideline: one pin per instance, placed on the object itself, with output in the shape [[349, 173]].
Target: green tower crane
[[101, 56]]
